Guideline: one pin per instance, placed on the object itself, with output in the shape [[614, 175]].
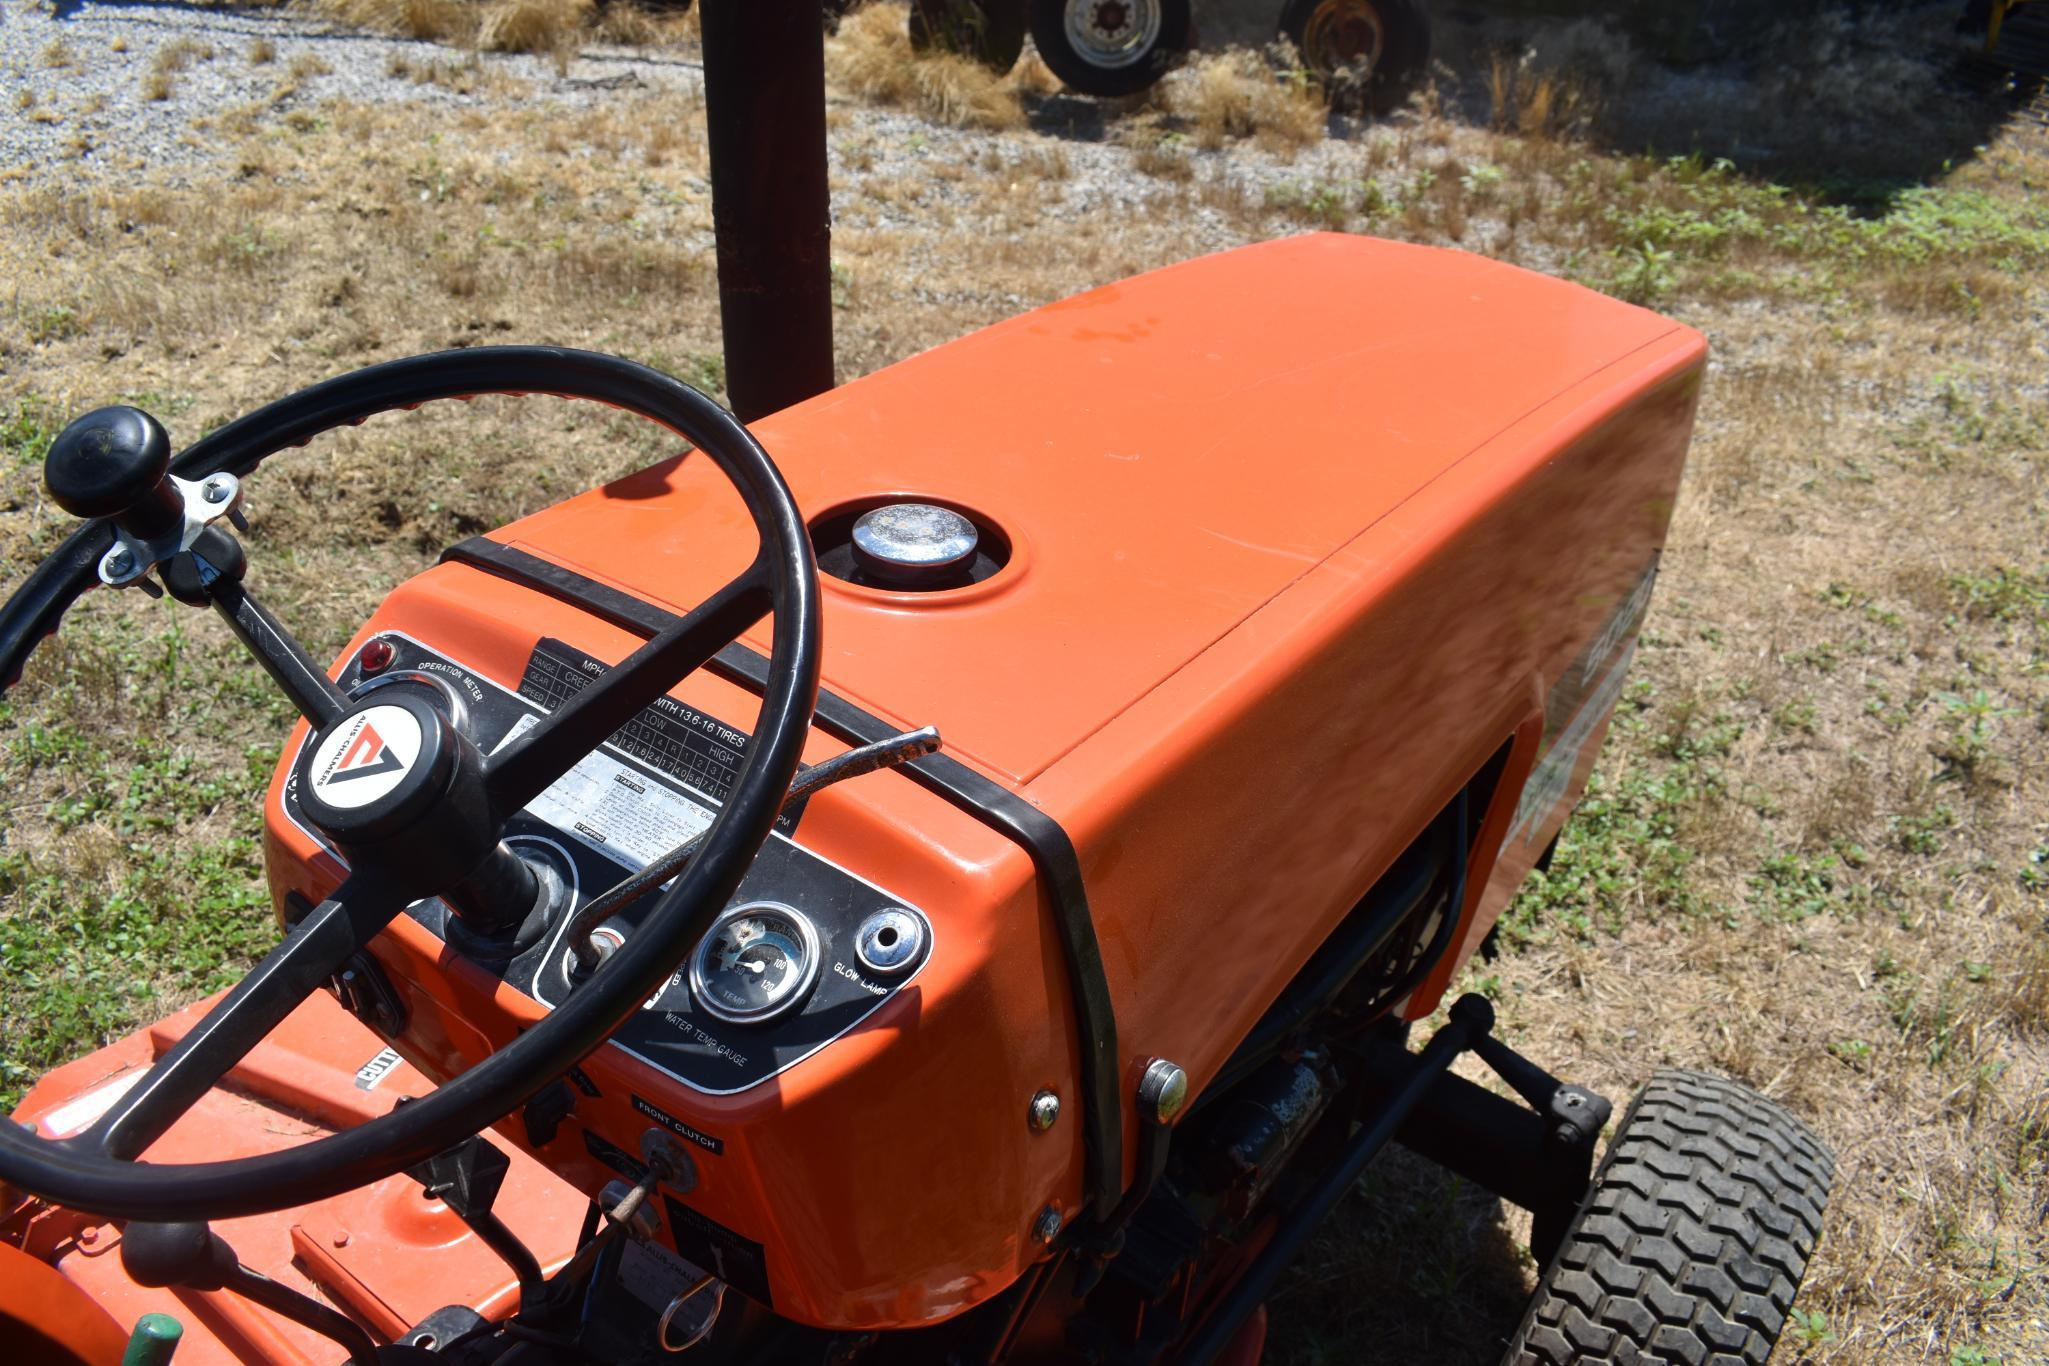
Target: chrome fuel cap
[[913, 543]]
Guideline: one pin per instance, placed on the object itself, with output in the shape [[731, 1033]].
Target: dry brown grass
[[551, 26], [432, 21], [179, 54], [1536, 102], [871, 57], [1815, 859], [1237, 94]]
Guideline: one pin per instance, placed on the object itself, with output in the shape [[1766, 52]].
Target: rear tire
[[1692, 1242], [991, 32], [1110, 47], [1366, 54]]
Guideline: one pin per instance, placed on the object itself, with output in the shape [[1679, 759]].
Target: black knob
[[115, 462], [190, 1254]]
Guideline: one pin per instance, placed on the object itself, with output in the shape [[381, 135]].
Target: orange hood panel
[[1125, 439]]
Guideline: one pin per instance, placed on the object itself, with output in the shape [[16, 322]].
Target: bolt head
[[341, 1238], [120, 561], [1045, 1108], [1048, 1225], [1162, 1090], [217, 489]]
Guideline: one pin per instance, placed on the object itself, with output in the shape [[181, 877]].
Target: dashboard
[[805, 951]]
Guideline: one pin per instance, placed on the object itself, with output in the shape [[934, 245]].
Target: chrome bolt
[[120, 562], [1162, 1090], [218, 489], [1045, 1108], [1048, 1225]]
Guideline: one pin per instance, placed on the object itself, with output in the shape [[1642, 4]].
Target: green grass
[[131, 870]]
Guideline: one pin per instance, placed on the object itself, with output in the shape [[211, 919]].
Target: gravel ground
[[76, 97], [82, 69]]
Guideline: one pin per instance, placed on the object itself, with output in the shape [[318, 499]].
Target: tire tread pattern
[[1693, 1238]]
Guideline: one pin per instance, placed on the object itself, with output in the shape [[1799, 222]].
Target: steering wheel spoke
[[523, 769], [280, 654], [312, 950]]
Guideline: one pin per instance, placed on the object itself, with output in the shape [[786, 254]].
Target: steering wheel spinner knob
[[115, 462]]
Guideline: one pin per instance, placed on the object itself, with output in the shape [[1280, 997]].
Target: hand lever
[[886, 753], [116, 463], [466, 1178], [194, 1256]]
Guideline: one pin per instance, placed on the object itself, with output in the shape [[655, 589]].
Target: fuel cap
[[913, 544]]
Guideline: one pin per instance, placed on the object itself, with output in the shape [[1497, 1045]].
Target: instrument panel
[[804, 952]]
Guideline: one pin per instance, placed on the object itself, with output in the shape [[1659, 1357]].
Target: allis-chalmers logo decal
[[365, 757], [368, 756]]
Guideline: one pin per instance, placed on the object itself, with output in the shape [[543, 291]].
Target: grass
[[1813, 855], [873, 59]]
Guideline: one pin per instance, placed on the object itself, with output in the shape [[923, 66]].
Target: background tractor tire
[[1693, 1240], [991, 32], [1366, 54], [1110, 47]]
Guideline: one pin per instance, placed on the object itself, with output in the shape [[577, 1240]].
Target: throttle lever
[[884, 753]]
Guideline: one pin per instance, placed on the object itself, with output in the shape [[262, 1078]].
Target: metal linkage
[[1162, 1092], [467, 1178], [1472, 1018], [192, 1255]]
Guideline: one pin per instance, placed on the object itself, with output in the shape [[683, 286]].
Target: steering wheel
[[433, 822]]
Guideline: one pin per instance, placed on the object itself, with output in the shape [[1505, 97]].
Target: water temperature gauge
[[758, 962]]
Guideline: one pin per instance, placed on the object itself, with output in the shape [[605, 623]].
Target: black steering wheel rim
[[500, 1083]]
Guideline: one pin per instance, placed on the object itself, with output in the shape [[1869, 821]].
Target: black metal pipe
[[526, 1269], [307, 1312], [1471, 1017], [1486, 1139], [764, 99]]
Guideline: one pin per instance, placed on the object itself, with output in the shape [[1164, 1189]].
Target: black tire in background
[[1366, 54], [1692, 1242], [1110, 47], [991, 32]]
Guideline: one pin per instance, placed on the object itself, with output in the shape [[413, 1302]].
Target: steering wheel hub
[[367, 757]]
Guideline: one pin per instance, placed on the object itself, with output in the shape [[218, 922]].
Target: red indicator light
[[377, 656]]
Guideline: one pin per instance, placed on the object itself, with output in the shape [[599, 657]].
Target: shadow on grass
[[1851, 103], [1414, 1265]]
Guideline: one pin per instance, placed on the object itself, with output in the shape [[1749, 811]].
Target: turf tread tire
[[1693, 1239]]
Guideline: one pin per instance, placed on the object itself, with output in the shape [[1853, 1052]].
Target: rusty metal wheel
[[1366, 54]]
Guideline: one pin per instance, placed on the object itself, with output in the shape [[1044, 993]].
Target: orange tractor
[[958, 891]]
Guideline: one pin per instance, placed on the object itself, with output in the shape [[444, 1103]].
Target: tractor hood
[[1164, 456]]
